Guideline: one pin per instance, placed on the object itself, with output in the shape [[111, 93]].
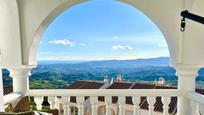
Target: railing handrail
[[104, 92], [10, 98], [198, 98]]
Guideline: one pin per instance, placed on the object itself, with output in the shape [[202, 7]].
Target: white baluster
[[194, 108], [201, 110], [58, 102], [151, 101], [80, 104], [51, 100], [136, 107], [38, 101], [166, 101], [121, 103], [94, 105], [108, 101], [66, 105]]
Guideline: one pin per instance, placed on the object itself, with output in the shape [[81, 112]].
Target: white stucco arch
[[43, 26], [32, 50]]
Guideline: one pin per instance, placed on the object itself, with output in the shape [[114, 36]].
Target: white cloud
[[121, 47], [65, 42]]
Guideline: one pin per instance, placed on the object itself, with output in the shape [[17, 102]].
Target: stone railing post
[[136, 107], [94, 105], [186, 82], [20, 79]]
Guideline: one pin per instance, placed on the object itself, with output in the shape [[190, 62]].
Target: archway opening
[[199, 81], [102, 38]]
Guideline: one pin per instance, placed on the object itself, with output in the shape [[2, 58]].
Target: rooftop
[[86, 85]]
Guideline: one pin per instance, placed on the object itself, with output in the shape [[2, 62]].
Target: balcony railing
[[12, 97], [197, 103], [93, 95]]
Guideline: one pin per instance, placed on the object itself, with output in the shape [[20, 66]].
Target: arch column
[[186, 82], [20, 79]]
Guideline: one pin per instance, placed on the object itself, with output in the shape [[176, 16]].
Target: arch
[[32, 54]]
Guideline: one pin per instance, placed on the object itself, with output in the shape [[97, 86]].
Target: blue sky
[[102, 30]]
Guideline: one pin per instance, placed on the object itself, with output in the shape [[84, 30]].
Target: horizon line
[[107, 59]]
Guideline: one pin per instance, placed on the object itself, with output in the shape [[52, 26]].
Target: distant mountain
[[59, 62], [161, 61], [57, 74]]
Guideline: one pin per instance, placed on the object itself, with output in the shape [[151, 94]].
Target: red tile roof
[[86, 85], [151, 86], [143, 86], [120, 85], [8, 89], [199, 90]]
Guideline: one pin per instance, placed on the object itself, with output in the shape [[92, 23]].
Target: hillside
[[59, 74]]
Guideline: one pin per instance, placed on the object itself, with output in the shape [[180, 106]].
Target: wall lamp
[[188, 15]]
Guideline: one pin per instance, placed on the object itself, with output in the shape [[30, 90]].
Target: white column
[[38, 101], [80, 104], [20, 79], [108, 101], [136, 107], [58, 103], [66, 105], [51, 100], [186, 82], [94, 105], [201, 109], [166, 101], [195, 108], [121, 104], [1, 91], [151, 101]]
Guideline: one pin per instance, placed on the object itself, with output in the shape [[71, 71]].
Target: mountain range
[[160, 61], [58, 74]]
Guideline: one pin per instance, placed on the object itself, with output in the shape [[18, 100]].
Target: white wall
[[193, 48], [9, 33]]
